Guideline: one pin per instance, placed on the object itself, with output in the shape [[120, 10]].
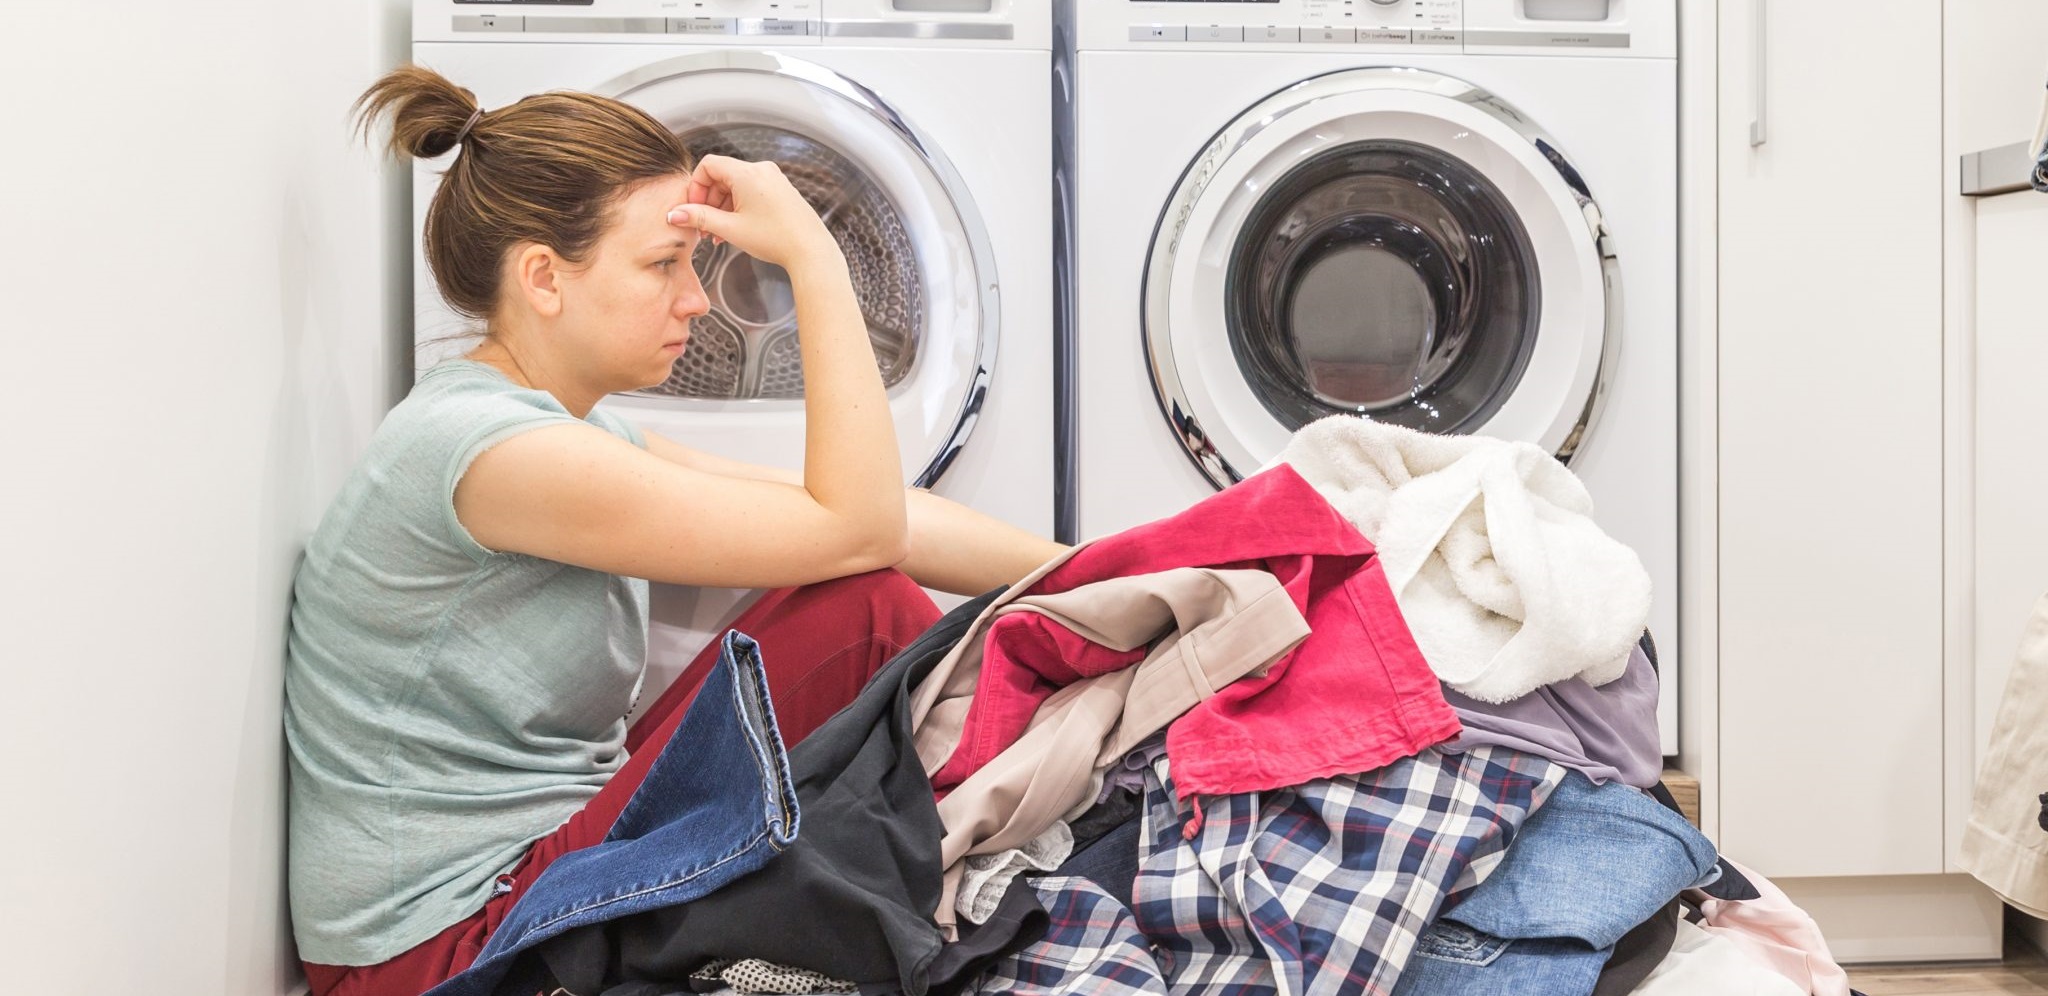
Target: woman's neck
[[532, 369]]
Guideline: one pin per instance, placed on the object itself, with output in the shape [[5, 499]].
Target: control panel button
[[703, 26], [1215, 33], [1343, 36], [489, 22], [1159, 32], [596, 25], [1439, 38], [774, 27], [1271, 34], [1383, 36]]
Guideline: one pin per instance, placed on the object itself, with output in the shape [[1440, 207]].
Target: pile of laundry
[[1378, 719]]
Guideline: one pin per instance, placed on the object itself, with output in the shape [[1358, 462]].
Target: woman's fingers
[[753, 206], [704, 218]]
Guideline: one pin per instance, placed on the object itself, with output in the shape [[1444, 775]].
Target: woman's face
[[629, 307]]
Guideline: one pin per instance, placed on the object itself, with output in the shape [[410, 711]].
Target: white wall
[[202, 323]]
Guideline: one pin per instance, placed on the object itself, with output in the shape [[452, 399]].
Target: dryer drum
[[746, 347], [1383, 278]]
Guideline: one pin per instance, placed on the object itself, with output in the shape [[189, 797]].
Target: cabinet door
[[1830, 438], [2012, 436]]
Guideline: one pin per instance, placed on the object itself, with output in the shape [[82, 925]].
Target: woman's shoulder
[[459, 398]]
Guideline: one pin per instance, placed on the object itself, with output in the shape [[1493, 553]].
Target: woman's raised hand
[[754, 207]]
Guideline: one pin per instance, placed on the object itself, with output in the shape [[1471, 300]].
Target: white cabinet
[[2011, 503], [1830, 437]]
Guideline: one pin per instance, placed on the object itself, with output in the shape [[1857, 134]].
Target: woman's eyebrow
[[672, 244]]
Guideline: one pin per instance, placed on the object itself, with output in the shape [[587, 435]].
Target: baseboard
[[1903, 918]]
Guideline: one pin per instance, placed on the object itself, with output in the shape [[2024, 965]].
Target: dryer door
[[1391, 243], [919, 255]]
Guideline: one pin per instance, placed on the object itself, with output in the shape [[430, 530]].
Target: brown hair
[[544, 170]]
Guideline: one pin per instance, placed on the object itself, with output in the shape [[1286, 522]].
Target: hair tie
[[467, 125]]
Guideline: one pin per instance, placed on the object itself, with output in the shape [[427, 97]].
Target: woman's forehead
[[643, 212]]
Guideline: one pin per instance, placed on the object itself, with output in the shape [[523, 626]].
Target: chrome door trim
[[987, 285], [1167, 233]]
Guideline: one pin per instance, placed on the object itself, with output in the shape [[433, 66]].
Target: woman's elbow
[[889, 550], [876, 549]]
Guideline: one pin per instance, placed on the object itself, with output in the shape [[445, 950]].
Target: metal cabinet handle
[[2038, 174], [1760, 77]]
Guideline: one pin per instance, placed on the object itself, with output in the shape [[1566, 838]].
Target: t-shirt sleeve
[[505, 421], [619, 427]]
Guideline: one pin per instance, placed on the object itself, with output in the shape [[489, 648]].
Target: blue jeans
[[715, 805], [1592, 863]]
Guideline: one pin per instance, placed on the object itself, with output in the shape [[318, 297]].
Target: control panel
[[1308, 22], [1007, 23], [1525, 27]]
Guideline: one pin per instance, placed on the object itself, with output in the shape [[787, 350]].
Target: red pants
[[819, 646]]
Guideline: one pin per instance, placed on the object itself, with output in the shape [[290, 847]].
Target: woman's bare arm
[[952, 547]]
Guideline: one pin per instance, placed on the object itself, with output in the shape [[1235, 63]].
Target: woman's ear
[[536, 276]]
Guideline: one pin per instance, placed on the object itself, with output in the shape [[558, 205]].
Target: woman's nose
[[692, 301]]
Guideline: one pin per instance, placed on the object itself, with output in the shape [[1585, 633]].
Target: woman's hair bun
[[427, 111]]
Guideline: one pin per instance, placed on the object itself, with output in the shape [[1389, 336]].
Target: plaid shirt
[[1322, 888]]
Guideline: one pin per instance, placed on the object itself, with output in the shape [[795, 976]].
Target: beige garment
[[1211, 627], [2005, 845]]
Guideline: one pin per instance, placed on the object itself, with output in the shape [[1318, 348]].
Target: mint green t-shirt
[[445, 706]]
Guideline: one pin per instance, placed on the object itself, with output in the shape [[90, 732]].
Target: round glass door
[[918, 254], [1388, 243]]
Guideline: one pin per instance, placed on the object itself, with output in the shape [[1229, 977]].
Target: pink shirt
[[1355, 696]]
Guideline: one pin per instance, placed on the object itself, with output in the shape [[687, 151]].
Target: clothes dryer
[[1454, 215]]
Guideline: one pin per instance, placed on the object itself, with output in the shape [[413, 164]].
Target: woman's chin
[[659, 371]]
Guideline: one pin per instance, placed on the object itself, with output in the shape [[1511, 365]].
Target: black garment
[[1019, 921], [853, 897], [1110, 861], [1638, 953], [2044, 810], [1120, 808]]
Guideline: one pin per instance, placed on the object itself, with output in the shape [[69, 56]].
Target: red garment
[[1355, 696], [819, 646]]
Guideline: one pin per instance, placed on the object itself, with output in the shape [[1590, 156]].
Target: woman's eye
[[666, 265]]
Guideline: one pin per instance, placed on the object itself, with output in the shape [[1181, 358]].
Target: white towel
[[1491, 550]]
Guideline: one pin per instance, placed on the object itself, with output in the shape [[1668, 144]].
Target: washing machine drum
[[1389, 243], [916, 249]]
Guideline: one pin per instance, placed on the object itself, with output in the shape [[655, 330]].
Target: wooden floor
[[2024, 973]]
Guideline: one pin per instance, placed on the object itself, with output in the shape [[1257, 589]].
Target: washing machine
[[920, 130], [1454, 215]]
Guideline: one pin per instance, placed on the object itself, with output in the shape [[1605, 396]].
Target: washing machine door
[[919, 256], [1392, 243]]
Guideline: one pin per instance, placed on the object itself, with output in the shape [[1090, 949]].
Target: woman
[[469, 622]]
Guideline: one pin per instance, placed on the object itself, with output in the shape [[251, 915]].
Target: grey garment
[[754, 977], [1128, 775], [445, 705], [1607, 733]]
